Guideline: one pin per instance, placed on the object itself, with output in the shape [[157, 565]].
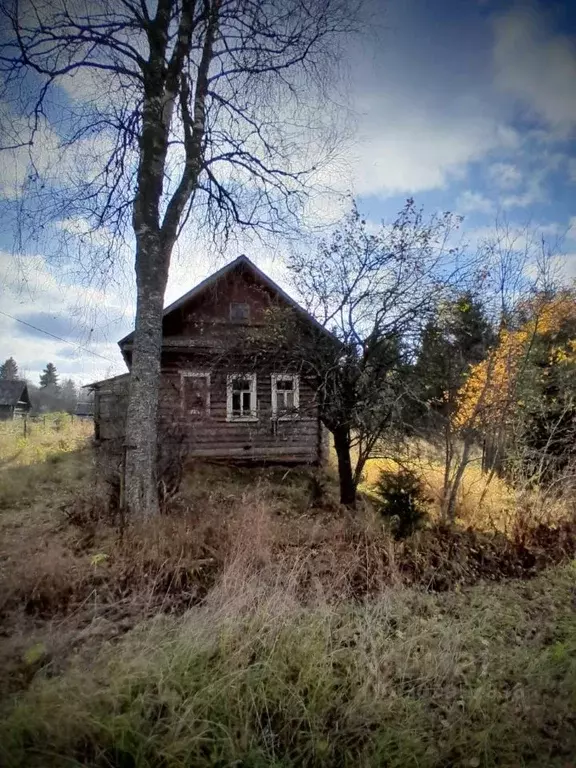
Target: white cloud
[[505, 175], [536, 65], [81, 228], [30, 287], [24, 160], [534, 192], [40, 155], [404, 146], [474, 202]]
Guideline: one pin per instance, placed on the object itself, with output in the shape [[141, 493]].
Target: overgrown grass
[[268, 626], [486, 503], [37, 439], [482, 678], [37, 453]]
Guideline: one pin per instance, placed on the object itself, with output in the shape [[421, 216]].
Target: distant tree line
[[50, 394]]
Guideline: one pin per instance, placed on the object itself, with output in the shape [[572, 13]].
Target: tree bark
[[141, 489], [345, 474], [450, 501]]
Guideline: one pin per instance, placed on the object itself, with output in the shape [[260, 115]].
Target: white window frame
[[295, 378], [195, 375], [251, 377]]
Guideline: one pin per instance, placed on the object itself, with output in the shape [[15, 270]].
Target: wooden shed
[[225, 393], [14, 399]]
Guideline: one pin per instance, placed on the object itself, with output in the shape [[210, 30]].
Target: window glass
[[241, 396], [285, 396]]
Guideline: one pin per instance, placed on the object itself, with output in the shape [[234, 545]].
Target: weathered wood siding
[[211, 435], [201, 337]]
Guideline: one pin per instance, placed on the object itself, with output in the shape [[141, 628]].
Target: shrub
[[402, 501]]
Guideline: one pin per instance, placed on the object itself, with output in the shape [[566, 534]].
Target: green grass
[[38, 454], [485, 677], [40, 438]]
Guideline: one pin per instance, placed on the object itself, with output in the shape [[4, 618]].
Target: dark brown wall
[[211, 435], [210, 313], [201, 337]]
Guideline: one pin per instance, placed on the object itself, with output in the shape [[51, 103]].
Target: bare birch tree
[[198, 111]]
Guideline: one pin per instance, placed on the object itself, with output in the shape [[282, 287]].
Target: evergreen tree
[[457, 338], [49, 377], [69, 396], [547, 398], [9, 369]]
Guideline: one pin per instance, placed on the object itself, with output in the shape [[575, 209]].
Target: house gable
[[235, 296], [236, 299]]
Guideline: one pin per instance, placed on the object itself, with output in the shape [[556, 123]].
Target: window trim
[[195, 374], [253, 397], [274, 379]]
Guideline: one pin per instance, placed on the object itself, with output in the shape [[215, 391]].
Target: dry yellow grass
[[38, 439], [486, 503], [279, 662]]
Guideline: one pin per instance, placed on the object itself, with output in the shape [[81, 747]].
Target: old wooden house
[[14, 399], [231, 388]]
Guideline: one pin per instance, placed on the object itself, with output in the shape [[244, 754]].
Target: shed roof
[[98, 384], [12, 391]]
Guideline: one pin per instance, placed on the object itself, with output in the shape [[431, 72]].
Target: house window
[[239, 312], [195, 390], [285, 395], [241, 400]]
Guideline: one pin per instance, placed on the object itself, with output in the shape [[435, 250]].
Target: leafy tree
[[193, 120], [49, 378], [522, 398], [374, 290], [545, 413], [9, 369]]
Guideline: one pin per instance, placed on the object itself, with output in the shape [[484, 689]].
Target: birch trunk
[[141, 489]]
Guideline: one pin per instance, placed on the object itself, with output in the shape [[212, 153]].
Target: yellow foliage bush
[[489, 390]]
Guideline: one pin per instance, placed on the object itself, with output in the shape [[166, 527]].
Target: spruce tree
[[457, 338], [49, 377], [9, 369]]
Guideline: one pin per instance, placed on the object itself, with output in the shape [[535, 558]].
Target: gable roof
[[12, 391], [241, 261]]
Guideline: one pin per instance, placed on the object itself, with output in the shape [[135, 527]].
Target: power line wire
[[59, 338]]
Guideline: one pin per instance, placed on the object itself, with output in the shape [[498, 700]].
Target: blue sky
[[466, 105]]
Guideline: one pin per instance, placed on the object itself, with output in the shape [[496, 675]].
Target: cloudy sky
[[466, 105]]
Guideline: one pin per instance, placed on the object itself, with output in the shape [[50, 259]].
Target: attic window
[[239, 312]]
